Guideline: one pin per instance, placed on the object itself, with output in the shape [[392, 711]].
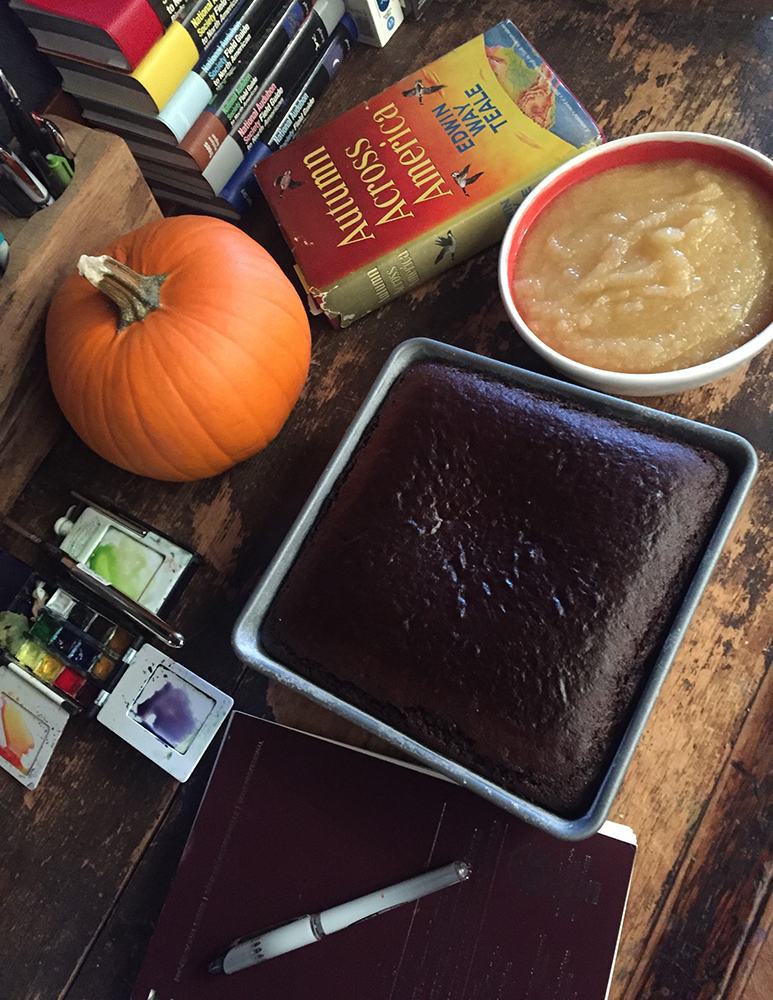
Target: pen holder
[[106, 198]]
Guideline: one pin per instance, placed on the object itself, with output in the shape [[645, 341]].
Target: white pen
[[312, 927]]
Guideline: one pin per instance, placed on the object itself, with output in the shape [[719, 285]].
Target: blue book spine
[[242, 189]]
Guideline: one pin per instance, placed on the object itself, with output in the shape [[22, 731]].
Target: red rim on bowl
[[646, 148]]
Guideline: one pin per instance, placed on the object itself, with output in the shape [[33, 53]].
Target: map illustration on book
[[423, 175]]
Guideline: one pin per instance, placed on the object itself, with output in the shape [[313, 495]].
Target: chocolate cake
[[493, 576]]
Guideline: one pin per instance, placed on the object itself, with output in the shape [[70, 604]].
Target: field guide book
[[425, 174], [155, 79], [294, 825], [115, 33]]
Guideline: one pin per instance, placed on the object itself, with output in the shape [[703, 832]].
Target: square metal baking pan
[[737, 453]]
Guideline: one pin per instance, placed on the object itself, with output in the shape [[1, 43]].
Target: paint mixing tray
[[60, 656], [165, 711]]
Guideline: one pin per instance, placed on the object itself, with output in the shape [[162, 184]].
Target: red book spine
[[134, 25]]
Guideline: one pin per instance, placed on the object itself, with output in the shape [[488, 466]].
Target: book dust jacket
[[424, 175]]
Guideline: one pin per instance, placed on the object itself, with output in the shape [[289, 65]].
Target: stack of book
[[200, 90]]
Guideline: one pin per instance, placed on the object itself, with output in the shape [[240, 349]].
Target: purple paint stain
[[170, 710]]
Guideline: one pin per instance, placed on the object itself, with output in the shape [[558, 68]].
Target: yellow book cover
[[176, 53], [425, 174], [150, 85]]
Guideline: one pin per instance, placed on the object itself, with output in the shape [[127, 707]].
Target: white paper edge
[[40, 704], [625, 905]]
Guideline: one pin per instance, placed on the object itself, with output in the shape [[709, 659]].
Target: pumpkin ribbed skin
[[201, 383]]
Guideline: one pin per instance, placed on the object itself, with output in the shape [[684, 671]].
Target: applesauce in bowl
[[646, 265]]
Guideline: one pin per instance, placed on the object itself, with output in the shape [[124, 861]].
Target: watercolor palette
[[165, 711], [66, 645], [134, 558], [30, 726], [62, 656]]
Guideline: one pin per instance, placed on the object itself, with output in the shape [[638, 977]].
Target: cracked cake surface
[[493, 574]]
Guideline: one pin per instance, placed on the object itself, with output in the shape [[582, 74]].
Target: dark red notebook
[[293, 824]]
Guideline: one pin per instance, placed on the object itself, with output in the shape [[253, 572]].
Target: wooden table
[[88, 856]]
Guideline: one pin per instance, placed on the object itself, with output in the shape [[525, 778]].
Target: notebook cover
[[292, 824]]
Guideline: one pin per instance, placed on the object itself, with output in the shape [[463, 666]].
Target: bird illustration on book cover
[[463, 177], [285, 182], [420, 91], [454, 147], [447, 246]]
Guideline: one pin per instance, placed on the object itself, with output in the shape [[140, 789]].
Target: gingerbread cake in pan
[[493, 576]]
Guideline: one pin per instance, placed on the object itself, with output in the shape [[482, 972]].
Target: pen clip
[[24, 178], [20, 120], [7, 89], [59, 145]]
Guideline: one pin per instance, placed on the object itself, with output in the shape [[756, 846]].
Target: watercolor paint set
[[65, 650], [145, 565], [119, 559]]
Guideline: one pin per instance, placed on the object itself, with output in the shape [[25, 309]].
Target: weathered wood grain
[[107, 197], [753, 979]]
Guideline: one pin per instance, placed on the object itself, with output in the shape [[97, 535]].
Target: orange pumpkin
[[196, 362]]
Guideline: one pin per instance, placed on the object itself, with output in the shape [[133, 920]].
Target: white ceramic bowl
[[654, 146]]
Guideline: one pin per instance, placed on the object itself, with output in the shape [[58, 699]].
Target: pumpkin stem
[[135, 295]]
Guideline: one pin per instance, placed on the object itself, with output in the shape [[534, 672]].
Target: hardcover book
[[241, 189], [208, 156], [293, 824], [425, 174], [242, 37], [184, 119], [152, 83], [234, 47], [224, 132], [112, 32]]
